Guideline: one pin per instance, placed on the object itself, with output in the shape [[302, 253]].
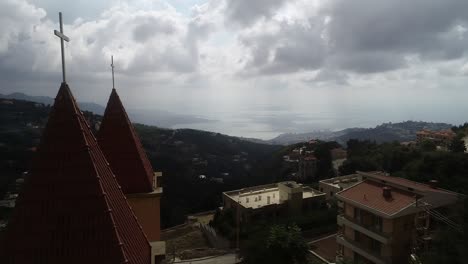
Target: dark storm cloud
[[327, 76], [411, 26], [292, 48], [367, 61], [374, 36], [151, 27], [362, 36], [246, 12]]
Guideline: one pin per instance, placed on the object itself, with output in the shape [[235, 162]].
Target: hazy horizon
[[252, 68]]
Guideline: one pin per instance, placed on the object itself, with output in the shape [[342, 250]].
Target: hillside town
[[79, 187]]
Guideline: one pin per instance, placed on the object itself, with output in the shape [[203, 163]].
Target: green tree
[[325, 162], [276, 244], [428, 146], [457, 144]]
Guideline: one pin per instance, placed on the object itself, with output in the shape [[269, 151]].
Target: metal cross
[[112, 66], [62, 38]]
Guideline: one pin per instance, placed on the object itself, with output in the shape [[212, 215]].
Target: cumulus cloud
[[141, 41], [210, 54], [246, 12], [363, 36], [287, 48], [386, 31]]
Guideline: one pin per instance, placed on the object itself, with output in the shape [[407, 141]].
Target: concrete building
[[272, 200], [334, 185], [384, 218]]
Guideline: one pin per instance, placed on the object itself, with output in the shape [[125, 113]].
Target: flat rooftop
[[308, 192], [344, 182], [256, 198], [264, 195]]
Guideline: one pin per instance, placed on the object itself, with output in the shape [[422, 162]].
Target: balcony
[[377, 235], [356, 247]]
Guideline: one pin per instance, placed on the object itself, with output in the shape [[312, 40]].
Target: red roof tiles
[[122, 147], [71, 209], [370, 194], [404, 182], [325, 247]]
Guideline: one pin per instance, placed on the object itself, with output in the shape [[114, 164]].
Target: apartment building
[[334, 185], [383, 218], [272, 200]]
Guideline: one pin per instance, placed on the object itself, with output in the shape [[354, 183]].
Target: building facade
[[272, 200], [385, 219]]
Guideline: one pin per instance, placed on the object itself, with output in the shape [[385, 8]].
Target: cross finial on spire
[[112, 66], [62, 38]]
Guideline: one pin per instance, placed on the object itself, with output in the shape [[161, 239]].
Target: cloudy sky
[[254, 68]]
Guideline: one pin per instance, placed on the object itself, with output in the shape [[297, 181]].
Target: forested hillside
[[197, 165]]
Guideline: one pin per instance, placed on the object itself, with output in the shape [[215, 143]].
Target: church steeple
[[122, 147], [120, 143], [71, 209]]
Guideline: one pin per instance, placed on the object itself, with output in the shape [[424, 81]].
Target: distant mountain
[[386, 132], [183, 155], [91, 107], [325, 135], [153, 117]]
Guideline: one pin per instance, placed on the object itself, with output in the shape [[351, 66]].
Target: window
[[331, 193], [259, 197], [247, 200], [357, 258], [357, 214], [357, 236], [375, 245], [377, 222]]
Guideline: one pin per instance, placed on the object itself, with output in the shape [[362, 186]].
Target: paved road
[[224, 259]]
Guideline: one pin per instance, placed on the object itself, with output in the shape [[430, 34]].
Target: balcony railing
[[361, 250], [367, 230]]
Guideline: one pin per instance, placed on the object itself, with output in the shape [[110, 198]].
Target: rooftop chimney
[[387, 192], [433, 184]]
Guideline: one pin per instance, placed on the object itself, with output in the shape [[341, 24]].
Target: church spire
[[122, 147], [71, 208]]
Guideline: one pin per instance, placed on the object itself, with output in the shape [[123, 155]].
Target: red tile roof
[[325, 247], [370, 194], [122, 147], [404, 182], [71, 209]]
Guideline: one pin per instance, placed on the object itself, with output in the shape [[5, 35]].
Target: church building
[[127, 158], [72, 208], [86, 200]]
